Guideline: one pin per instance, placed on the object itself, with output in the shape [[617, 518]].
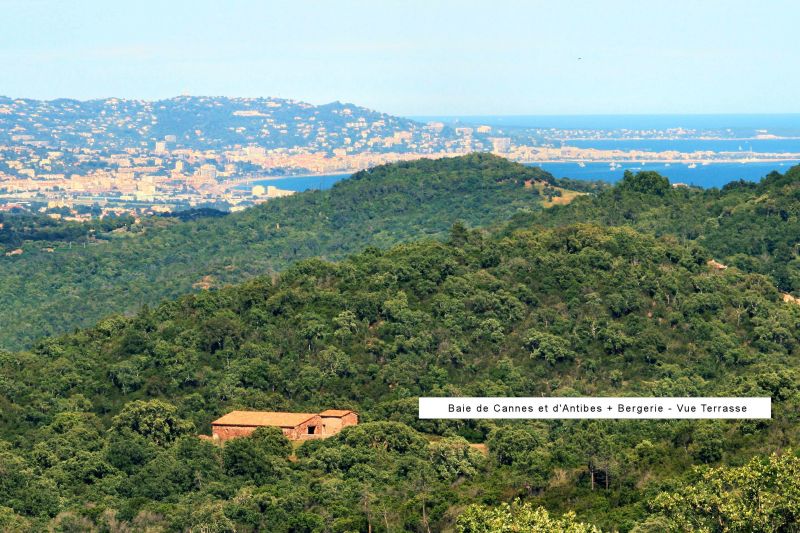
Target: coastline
[[655, 161], [232, 184], [664, 161]]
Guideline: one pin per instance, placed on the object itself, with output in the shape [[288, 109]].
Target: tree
[[547, 346], [156, 420], [511, 443], [453, 457], [384, 436], [271, 441], [708, 442], [210, 518], [12, 522], [459, 234], [261, 456], [518, 517], [647, 182], [761, 496]]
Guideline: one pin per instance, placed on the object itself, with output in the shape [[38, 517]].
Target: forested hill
[[46, 292], [99, 425], [754, 226]]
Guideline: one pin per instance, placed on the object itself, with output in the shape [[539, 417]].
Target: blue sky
[[414, 57]]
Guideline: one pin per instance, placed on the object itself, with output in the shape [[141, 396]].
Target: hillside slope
[[574, 310], [197, 122], [755, 226], [49, 293]]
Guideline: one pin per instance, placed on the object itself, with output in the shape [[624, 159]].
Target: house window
[[312, 430]]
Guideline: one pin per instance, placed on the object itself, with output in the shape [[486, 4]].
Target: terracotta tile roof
[[338, 413], [262, 418]]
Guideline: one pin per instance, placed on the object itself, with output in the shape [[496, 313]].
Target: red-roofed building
[[296, 426]]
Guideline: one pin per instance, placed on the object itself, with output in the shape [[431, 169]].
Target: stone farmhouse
[[296, 426]]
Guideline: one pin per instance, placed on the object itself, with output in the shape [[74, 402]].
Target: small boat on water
[[692, 165]]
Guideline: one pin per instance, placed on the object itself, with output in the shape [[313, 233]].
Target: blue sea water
[[739, 130], [743, 147], [787, 125], [706, 176], [712, 175], [298, 183]]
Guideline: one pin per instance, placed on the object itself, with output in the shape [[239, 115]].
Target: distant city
[[82, 159]]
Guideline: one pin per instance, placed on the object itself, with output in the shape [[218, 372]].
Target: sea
[[298, 183], [742, 130], [741, 125], [706, 176]]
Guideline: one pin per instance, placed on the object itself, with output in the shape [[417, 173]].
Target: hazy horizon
[[416, 58], [406, 115], [425, 116]]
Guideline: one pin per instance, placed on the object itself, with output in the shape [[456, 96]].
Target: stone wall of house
[[350, 419], [310, 429], [224, 433], [334, 424]]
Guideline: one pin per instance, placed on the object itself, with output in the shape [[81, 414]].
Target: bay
[[706, 176], [711, 175]]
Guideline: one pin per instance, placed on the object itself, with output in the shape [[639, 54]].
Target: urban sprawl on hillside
[[82, 159]]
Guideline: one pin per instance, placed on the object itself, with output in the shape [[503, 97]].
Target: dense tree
[[753, 226], [372, 333], [761, 496], [155, 420], [517, 516], [98, 427], [116, 272], [453, 457]]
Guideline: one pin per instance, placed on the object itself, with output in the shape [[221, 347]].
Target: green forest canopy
[[98, 426], [45, 293], [754, 226]]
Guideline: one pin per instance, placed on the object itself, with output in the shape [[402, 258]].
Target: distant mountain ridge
[[201, 122]]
